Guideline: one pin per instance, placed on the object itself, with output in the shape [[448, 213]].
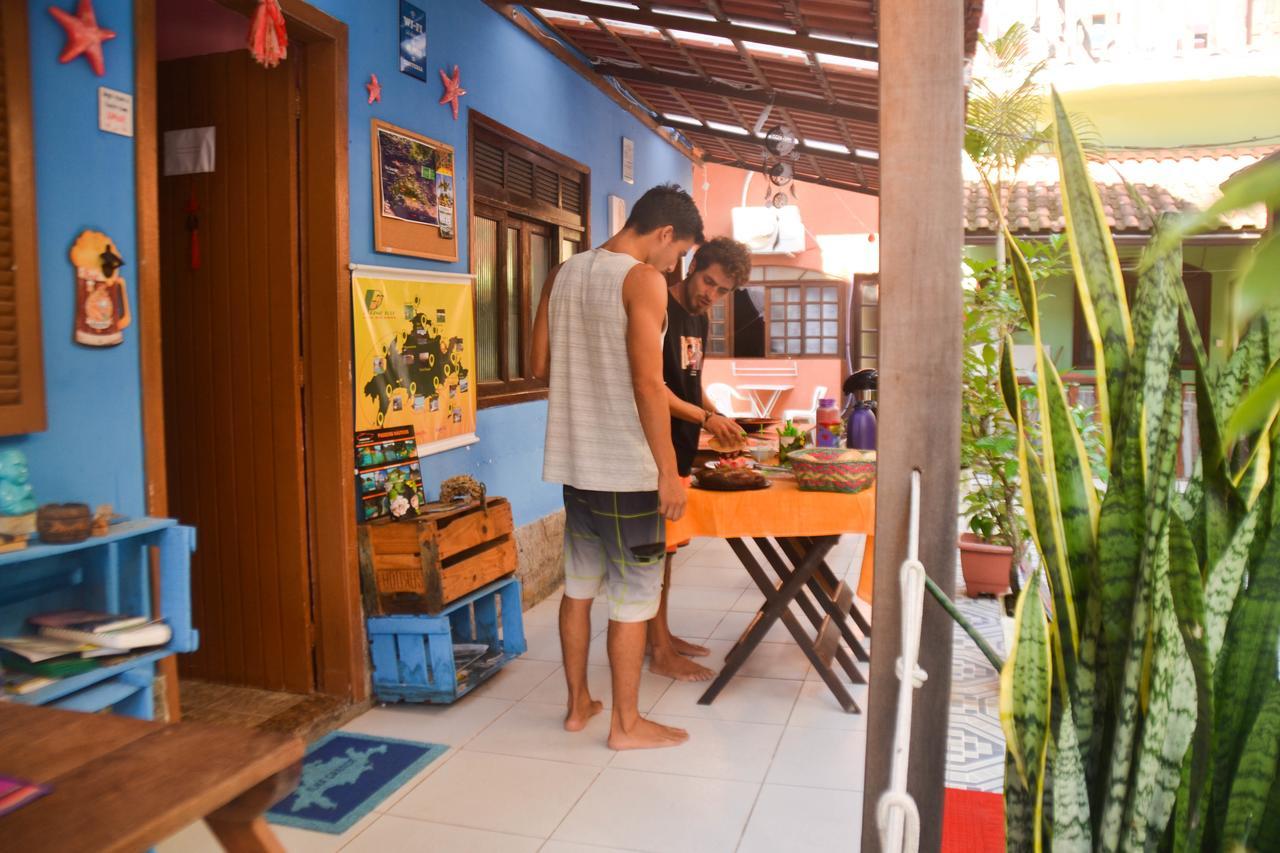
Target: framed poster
[[413, 194], [414, 354], [413, 41]]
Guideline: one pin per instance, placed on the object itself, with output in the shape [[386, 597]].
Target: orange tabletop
[[782, 510]]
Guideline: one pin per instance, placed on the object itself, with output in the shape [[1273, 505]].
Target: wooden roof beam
[[752, 94], [719, 28], [739, 163], [749, 139]]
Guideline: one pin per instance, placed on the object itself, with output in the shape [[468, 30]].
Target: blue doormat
[[345, 776]]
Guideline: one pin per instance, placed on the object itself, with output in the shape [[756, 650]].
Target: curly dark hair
[[733, 257]]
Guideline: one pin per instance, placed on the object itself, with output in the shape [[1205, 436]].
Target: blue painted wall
[[92, 450], [514, 80]]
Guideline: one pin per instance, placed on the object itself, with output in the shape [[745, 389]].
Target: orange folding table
[[794, 530]]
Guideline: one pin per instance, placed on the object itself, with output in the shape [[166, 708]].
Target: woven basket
[[830, 469]]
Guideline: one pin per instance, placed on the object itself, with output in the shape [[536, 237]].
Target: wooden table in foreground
[[794, 530], [121, 784]]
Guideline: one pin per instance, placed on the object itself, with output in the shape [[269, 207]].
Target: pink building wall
[[812, 373], [718, 189], [824, 210]]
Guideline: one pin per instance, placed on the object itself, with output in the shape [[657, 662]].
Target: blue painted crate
[[413, 655]]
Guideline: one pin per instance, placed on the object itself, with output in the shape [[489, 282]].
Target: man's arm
[[726, 429], [540, 350], [644, 295]]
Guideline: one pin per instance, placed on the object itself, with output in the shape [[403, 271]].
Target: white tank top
[[594, 438]]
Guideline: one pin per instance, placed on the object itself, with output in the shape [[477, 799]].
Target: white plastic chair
[[810, 414], [722, 397]]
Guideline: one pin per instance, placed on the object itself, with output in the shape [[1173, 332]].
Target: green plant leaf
[[1025, 685], [1258, 289], [1096, 264], [1189, 605], [1246, 667], [1170, 720], [1246, 367], [1127, 717], [1078, 504], [1009, 381], [1072, 826], [1223, 582], [1256, 408], [1019, 810], [1259, 184], [1255, 775]]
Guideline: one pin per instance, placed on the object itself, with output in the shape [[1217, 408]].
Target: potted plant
[[1139, 700]]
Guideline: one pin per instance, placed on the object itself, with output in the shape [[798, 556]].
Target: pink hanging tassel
[[268, 41]]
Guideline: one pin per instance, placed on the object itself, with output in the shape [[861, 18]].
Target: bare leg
[[667, 655], [628, 729], [575, 639]]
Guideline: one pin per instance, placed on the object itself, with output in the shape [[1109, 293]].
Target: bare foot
[[689, 649], [646, 734], [579, 714], [680, 668]]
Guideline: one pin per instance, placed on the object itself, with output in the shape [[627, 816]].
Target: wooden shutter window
[[490, 164], [21, 359]]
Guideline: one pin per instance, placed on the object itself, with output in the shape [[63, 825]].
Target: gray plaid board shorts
[[618, 541]]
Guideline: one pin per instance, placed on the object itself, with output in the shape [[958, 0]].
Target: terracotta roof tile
[[1167, 181]]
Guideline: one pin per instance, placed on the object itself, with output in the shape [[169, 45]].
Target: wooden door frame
[[338, 626]]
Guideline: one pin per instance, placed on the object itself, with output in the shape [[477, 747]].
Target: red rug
[[972, 822]]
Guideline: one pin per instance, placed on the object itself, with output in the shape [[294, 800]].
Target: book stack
[[70, 642]]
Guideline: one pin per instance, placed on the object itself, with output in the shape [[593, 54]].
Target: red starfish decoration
[[452, 89], [375, 88], [84, 36]]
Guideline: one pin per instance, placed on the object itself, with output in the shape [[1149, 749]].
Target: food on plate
[[736, 446], [723, 477]]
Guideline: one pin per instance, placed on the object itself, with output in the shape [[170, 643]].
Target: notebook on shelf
[[89, 621], [155, 633]]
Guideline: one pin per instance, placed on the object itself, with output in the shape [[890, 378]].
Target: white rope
[[896, 813]]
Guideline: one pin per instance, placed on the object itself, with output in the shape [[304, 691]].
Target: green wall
[[1057, 305], [1178, 113]]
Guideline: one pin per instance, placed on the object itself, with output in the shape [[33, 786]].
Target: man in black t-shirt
[[719, 267]]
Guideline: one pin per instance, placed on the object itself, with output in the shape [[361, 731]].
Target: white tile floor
[[773, 765]]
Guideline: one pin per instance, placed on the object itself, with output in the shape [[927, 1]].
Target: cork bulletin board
[[414, 194]]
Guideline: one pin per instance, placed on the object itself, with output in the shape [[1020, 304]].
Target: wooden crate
[[413, 656], [420, 568]]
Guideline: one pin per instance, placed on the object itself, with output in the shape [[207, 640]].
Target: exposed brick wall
[[540, 546]]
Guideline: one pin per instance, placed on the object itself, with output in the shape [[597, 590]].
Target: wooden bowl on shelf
[[64, 524]]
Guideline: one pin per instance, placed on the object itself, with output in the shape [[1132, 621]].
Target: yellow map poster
[[414, 339]]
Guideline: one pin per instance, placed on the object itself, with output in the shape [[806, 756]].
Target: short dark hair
[[667, 204], [733, 257]]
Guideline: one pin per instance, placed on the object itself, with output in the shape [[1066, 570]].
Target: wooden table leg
[[777, 600], [240, 825], [825, 593], [800, 552]]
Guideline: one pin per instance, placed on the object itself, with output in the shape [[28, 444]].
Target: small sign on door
[[115, 111], [189, 151]]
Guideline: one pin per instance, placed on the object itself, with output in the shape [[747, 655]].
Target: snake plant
[[1140, 698]]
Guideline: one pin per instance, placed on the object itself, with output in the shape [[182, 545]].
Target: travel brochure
[[388, 480]]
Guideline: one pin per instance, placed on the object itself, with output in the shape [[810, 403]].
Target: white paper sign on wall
[[189, 151], [115, 111], [617, 214], [628, 160]]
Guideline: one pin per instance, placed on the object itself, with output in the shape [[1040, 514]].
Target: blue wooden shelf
[[111, 573], [116, 533]]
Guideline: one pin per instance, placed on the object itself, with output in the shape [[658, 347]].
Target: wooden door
[[232, 367]]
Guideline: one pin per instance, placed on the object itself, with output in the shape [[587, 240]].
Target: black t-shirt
[[682, 354]]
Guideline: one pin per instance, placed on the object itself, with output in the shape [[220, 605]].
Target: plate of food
[[724, 478]]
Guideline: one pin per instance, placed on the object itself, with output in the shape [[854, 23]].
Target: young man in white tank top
[[598, 337]]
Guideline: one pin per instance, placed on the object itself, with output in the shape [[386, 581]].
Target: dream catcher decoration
[[268, 41], [102, 302], [780, 144]]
